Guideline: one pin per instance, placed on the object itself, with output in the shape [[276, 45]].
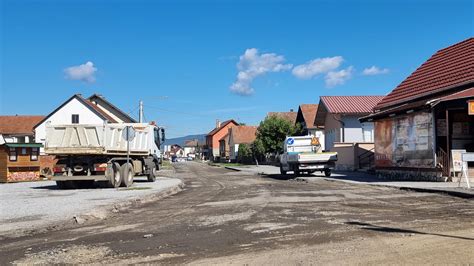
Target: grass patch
[[166, 165]]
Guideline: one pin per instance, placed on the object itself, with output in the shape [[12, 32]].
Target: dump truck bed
[[104, 139]]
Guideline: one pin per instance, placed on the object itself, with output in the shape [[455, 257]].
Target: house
[[344, 134], [78, 110], [19, 153], [425, 123], [288, 116], [305, 118], [339, 116], [175, 150], [191, 147], [240, 135], [214, 137]]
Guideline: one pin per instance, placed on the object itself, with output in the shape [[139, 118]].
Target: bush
[[244, 154], [273, 131]]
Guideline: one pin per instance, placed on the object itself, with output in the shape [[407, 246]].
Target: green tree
[[244, 154], [273, 131], [258, 150]]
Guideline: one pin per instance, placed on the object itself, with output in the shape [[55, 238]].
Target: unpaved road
[[225, 217]]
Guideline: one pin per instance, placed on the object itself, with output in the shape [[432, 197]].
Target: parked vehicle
[[304, 154], [88, 153]]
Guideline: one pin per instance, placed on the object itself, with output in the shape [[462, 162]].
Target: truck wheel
[[127, 175], [283, 172], [116, 177], [327, 172], [61, 184], [152, 173]]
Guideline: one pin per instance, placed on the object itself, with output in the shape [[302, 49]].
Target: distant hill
[[180, 141]]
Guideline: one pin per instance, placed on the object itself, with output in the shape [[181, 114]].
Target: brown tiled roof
[[449, 67], [191, 143], [350, 104], [289, 116], [467, 93], [19, 124], [244, 134], [309, 113], [223, 124]]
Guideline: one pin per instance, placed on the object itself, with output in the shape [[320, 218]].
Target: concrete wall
[[348, 154], [63, 116]]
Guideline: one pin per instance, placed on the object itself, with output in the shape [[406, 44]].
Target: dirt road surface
[[225, 217]]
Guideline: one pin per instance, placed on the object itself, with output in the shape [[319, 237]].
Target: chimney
[[218, 123]]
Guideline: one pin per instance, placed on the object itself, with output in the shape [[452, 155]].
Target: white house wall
[[63, 116]]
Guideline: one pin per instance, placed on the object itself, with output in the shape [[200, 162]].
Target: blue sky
[[182, 57]]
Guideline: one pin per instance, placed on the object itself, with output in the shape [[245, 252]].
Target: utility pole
[[140, 112]]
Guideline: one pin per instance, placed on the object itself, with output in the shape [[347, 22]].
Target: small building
[[214, 136], [305, 118], [78, 110], [424, 124], [19, 154], [344, 134], [240, 135]]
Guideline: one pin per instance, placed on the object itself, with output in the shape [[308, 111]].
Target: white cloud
[[317, 66], [371, 71], [334, 78], [251, 65], [84, 72]]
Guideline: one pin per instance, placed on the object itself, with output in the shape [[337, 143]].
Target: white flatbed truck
[[304, 154], [99, 153]]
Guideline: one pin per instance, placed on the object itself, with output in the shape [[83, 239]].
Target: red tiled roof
[[350, 104], [309, 113], [19, 124], [244, 134], [289, 116], [467, 93], [449, 67], [223, 124]]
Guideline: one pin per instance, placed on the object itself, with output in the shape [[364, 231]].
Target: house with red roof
[[423, 125], [217, 138], [338, 117], [19, 153]]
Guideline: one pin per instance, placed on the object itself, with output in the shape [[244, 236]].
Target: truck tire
[[152, 173], [116, 177], [283, 172], [327, 172], [127, 176], [61, 184]]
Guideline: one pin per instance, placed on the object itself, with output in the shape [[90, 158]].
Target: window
[[13, 156], [34, 154], [75, 119], [368, 132], [23, 151]]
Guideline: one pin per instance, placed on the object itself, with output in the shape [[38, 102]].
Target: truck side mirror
[[163, 135]]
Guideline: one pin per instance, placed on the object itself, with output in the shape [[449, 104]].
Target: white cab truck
[[304, 154], [99, 153]]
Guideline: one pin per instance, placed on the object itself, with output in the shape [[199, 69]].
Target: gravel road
[[226, 217], [34, 205]]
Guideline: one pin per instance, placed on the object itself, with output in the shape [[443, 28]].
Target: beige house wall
[[348, 154]]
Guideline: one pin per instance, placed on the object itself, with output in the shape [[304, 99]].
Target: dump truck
[[304, 154], [101, 153]]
